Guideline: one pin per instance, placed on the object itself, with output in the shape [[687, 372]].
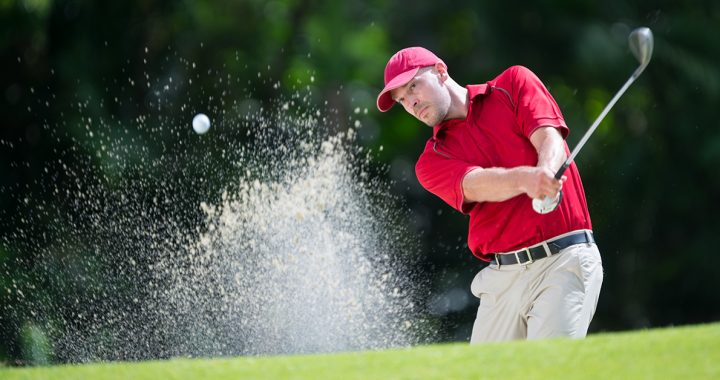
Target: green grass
[[691, 352]]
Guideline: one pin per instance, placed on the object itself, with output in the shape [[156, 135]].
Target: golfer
[[494, 148]]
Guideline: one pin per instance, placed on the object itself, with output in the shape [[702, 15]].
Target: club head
[[641, 45], [547, 204]]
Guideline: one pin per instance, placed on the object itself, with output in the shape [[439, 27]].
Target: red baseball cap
[[400, 69]]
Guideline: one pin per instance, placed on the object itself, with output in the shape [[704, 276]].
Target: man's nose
[[415, 103]]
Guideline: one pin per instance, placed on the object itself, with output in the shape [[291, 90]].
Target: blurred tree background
[[650, 171]]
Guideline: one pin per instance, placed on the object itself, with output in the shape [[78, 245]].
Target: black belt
[[529, 255]]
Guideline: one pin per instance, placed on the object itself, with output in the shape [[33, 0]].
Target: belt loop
[[548, 252], [529, 255], [588, 238], [517, 258], [497, 260]]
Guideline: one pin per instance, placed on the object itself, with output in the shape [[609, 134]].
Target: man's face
[[424, 97]]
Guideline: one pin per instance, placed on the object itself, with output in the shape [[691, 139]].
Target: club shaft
[[597, 121]]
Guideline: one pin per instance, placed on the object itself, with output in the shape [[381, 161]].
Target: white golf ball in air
[[201, 123]]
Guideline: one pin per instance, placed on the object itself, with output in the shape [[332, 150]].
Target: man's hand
[[539, 182]]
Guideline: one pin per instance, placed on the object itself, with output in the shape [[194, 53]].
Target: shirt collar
[[474, 90]]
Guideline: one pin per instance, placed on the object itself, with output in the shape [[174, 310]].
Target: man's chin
[[431, 122]]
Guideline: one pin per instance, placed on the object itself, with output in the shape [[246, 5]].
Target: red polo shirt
[[502, 114]]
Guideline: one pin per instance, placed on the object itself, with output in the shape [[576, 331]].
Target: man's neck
[[458, 102]]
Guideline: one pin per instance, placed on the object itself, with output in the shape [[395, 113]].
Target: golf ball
[[201, 123]]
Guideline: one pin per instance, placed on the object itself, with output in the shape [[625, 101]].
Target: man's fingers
[[553, 187], [545, 184]]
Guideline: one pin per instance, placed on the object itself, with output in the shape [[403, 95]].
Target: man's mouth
[[422, 112]]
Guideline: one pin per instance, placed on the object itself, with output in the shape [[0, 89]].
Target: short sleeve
[[442, 175], [535, 106]]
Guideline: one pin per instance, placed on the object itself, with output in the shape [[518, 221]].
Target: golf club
[[641, 45]]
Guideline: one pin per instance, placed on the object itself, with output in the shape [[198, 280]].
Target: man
[[494, 148]]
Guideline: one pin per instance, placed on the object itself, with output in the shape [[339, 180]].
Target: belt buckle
[[527, 252]]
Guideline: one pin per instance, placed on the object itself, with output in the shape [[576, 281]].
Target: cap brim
[[385, 100]]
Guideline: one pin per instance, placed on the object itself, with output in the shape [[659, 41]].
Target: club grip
[[561, 171]]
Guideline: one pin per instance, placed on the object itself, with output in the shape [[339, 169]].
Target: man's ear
[[441, 69]]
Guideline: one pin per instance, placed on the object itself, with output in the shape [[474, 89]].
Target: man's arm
[[499, 184], [550, 147]]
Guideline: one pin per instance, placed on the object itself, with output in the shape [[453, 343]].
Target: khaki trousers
[[552, 297]]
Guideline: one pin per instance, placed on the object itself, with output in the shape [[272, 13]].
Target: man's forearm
[[500, 184], [550, 148], [495, 184]]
